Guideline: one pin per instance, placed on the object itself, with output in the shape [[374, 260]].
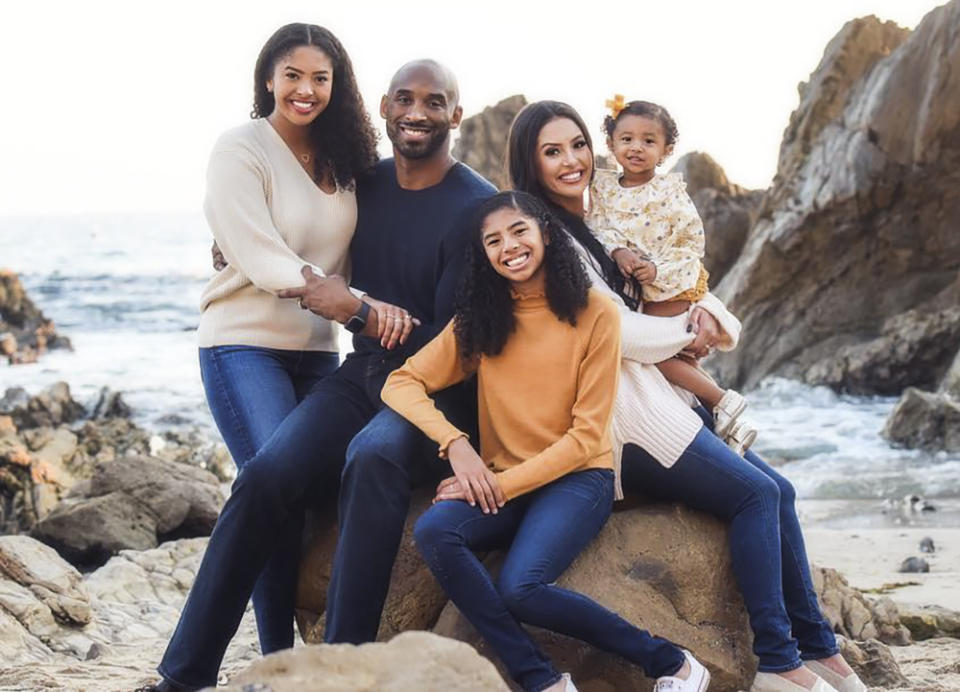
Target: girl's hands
[[472, 480], [632, 264]]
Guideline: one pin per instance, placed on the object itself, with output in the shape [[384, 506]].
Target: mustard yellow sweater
[[545, 401]]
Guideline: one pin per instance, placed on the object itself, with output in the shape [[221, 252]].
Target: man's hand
[[327, 296], [634, 265], [475, 482], [219, 261], [707, 331]]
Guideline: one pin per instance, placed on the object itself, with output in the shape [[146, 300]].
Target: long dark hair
[[343, 138], [523, 170], [483, 310]]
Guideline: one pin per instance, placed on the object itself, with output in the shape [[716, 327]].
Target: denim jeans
[[544, 530], [302, 459], [250, 390], [766, 543], [385, 461]]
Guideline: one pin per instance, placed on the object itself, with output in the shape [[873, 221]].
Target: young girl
[[651, 228], [545, 349]]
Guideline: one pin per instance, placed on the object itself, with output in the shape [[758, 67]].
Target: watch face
[[355, 324]]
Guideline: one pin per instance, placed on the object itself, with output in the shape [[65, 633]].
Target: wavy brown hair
[[343, 138], [483, 311]]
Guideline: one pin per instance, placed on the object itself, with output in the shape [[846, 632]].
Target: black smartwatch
[[358, 320]]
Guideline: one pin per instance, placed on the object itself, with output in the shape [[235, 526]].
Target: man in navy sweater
[[406, 250]]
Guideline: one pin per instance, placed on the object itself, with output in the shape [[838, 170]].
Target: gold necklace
[[305, 157]]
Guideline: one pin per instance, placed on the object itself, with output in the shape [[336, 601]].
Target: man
[[405, 252]]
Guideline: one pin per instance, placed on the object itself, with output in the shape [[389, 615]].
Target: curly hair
[[524, 175], [645, 109], [483, 309], [344, 140]]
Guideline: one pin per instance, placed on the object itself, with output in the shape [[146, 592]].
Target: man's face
[[419, 113]]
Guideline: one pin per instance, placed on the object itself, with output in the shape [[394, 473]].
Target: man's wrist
[[350, 307]]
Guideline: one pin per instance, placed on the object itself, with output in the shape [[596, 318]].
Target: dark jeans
[[302, 458], [766, 544], [385, 461], [250, 390], [544, 531]]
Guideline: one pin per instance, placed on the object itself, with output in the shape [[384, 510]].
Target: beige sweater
[[545, 400], [269, 219], [649, 411]]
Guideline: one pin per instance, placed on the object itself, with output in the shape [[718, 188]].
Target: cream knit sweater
[[269, 219], [649, 411]]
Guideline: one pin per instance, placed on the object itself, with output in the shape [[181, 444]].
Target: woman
[[674, 456], [280, 196], [545, 349]]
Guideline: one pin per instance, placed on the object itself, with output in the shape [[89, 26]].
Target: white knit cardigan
[[649, 411]]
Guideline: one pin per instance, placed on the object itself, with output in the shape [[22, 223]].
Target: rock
[[873, 663], [133, 503], [924, 420], [482, 144], [852, 614], [728, 211], [914, 564], [928, 622], [950, 384], [110, 404], [414, 601], [49, 408], [410, 661], [926, 545], [666, 569], [851, 276], [24, 330]]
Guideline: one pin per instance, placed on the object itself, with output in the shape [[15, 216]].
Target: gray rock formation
[[666, 569], [928, 622], [874, 663], [855, 616], [728, 211], [850, 277], [482, 143], [133, 503], [411, 661], [25, 332], [926, 421]]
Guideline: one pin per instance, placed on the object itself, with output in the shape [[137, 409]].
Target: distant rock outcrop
[[25, 332], [851, 276], [483, 139], [728, 211], [926, 421]]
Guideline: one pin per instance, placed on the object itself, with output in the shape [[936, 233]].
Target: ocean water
[[125, 289]]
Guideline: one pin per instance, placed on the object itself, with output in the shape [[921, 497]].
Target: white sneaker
[[697, 681], [771, 682], [851, 683], [740, 437], [569, 687], [726, 412]]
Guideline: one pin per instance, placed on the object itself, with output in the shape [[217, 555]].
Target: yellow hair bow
[[616, 104]]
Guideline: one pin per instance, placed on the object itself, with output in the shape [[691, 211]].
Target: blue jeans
[[250, 390], [544, 530], [766, 544], [301, 459]]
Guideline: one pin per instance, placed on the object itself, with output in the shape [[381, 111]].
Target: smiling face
[[564, 161], [515, 246], [639, 144], [301, 84], [420, 110]]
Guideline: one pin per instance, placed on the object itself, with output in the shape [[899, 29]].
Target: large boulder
[[411, 661], [133, 503], [414, 601], [482, 144], [850, 276], [664, 568], [728, 211], [25, 332], [51, 407], [925, 420]]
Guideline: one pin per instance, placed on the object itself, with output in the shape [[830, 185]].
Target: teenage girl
[[650, 227], [545, 348]]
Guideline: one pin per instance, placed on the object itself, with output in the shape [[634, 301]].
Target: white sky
[[113, 106]]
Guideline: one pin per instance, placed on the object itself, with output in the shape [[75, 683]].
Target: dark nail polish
[[689, 328]]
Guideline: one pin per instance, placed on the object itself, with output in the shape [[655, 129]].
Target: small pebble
[[926, 545], [914, 564]]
